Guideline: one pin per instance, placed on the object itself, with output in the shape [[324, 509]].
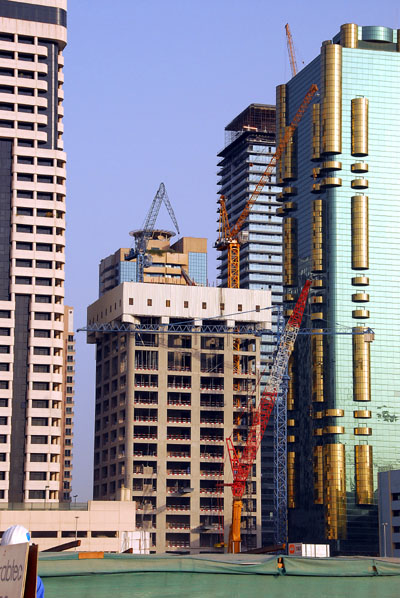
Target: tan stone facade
[[166, 402]]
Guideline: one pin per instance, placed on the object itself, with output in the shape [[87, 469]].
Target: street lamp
[[74, 497], [76, 530], [384, 538]]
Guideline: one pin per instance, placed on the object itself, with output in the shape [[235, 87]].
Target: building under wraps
[[224, 576]]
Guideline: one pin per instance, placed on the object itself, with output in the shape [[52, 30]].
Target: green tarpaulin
[[219, 576]]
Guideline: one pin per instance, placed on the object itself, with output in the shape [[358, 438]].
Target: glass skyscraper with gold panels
[[340, 182]]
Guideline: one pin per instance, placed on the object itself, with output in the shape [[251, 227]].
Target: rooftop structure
[[188, 253]]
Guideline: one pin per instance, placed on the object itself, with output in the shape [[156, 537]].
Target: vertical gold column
[[364, 474], [361, 366], [280, 128], [317, 366], [359, 232], [318, 471], [349, 35], [290, 401], [359, 127], [318, 261], [290, 253], [334, 465], [291, 479], [331, 121], [316, 133], [289, 160]]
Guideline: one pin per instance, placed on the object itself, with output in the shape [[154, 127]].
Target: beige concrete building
[[169, 265], [100, 525], [32, 242], [166, 402]]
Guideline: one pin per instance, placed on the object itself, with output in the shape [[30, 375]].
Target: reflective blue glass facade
[[126, 272], [344, 412], [198, 267]]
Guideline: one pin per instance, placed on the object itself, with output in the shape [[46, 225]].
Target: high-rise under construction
[[341, 224]]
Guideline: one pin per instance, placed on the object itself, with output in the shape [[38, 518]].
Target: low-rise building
[[107, 526], [389, 513]]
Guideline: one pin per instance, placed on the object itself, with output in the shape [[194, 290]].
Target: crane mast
[[229, 237], [242, 463]]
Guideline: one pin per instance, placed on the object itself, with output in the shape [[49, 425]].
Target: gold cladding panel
[[318, 475], [318, 283], [290, 251], [318, 250], [317, 366], [331, 165], [360, 281], [349, 35], [280, 127], [363, 297], [359, 184], [291, 385], [289, 160], [334, 491], [333, 430], [359, 232], [360, 313], [316, 132], [318, 315], [364, 474], [364, 413], [331, 181], [334, 412], [331, 117], [363, 431], [361, 368], [359, 167], [359, 126], [291, 479]]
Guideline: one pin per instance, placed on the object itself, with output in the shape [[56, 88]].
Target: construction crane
[[230, 238], [187, 278], [142, 237], [290, 47], [242, 463]]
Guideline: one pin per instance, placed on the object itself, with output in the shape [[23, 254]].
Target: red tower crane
[[242, 463]]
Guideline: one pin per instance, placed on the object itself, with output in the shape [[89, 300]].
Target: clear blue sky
[[149, 88]]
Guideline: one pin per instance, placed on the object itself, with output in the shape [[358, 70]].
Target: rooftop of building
[[256, 117], [130, 301]]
